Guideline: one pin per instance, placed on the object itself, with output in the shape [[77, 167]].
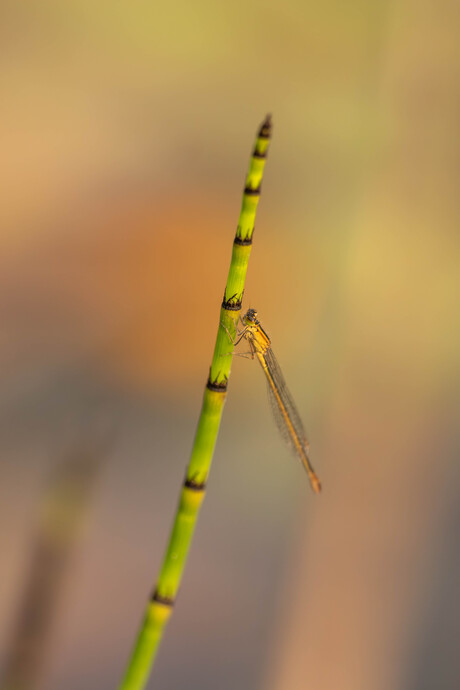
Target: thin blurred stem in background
[[160, 606], [62, 514]]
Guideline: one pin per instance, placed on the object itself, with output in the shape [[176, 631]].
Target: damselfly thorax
[[254, 333]]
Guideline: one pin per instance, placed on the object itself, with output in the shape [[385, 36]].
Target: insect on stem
[[284, 409]]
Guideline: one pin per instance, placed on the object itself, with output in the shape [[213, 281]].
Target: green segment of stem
[[160, 606]]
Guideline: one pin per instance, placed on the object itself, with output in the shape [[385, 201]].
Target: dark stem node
[[233, 303], [217, 386], [266, 128], [194, 485], [252, 192], [166, 601], [243, 242]]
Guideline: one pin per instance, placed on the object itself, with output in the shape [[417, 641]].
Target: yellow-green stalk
[[160, 606]]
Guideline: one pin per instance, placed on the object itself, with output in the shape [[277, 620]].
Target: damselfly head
[[251, 316]]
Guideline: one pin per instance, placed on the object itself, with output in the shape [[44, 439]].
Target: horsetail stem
[[160, 606]]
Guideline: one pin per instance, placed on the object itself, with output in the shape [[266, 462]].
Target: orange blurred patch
[[134, 284], [160, 279]]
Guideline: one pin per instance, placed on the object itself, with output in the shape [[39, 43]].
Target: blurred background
[[125, 135]]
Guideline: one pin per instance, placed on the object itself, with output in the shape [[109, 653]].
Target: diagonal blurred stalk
[[63, 510], [160, 606]]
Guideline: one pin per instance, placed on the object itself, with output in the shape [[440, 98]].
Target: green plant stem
[[161, 603]]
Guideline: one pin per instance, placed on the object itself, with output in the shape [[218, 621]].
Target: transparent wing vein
[[287, 402]]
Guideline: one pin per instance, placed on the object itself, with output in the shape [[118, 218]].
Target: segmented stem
[[160, 605]]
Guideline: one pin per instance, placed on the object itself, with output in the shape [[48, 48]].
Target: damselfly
[[284, 409]]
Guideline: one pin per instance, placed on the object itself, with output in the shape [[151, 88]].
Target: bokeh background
[[125, 134]]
